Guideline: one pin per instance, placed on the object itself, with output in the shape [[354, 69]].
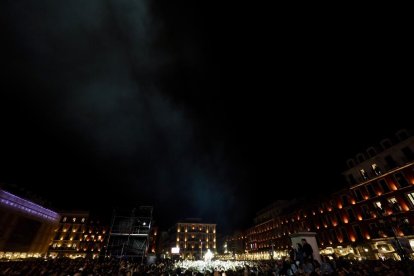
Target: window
[[351, 163], [345, 201], [83, 220], [405, 226], [332, 235], [322, 221], [384, 185], [74, 219], [358, 195], [378, 205], [408, 153], [371, 190], [333, 217], [351, 215], [410, 197], [375, 169], [394, 204], [363, 174], [371, 152], [373, 230], [338, 233], [365, 212], [64, 219], [386, 143], [402, 135], [344, 234], [360, 158], [392, 200], [358, 232], [390, 162], [351, 179], [399, 177]]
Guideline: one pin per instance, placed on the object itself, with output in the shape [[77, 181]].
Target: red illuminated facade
[[364, 219]]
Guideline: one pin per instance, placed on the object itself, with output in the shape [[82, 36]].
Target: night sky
[[200, 111]]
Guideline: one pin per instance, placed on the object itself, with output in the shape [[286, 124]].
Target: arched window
[[386, 143], [360, 157], [371, 152], [351, 163]]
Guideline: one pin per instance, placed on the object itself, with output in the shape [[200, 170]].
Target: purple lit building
[[26, 228]]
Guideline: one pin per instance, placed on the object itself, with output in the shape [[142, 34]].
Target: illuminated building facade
[[77, 236], [26, 228], [269, 237], [373, 218], [236, 243], [194, 239]]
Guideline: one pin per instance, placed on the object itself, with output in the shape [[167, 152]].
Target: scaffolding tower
[[129, 233]]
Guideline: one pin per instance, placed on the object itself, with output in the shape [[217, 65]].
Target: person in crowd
[[299, 253], [307, 250]]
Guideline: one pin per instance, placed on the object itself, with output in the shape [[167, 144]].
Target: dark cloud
[[97, 69]]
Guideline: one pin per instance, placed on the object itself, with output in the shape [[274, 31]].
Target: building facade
[[236, 244], [269, 237], [26, 228], [194, 239], [77, 236], [372, 218]]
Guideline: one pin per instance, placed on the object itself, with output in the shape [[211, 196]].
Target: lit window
[[411, 198], [83, 220], [376, 169], [64, 219], [392, 200], [74, 219], [378, 205], [394, 204], [363, 174]]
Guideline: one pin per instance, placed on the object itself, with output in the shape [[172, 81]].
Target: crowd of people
[[80, 267], [301, 261]]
